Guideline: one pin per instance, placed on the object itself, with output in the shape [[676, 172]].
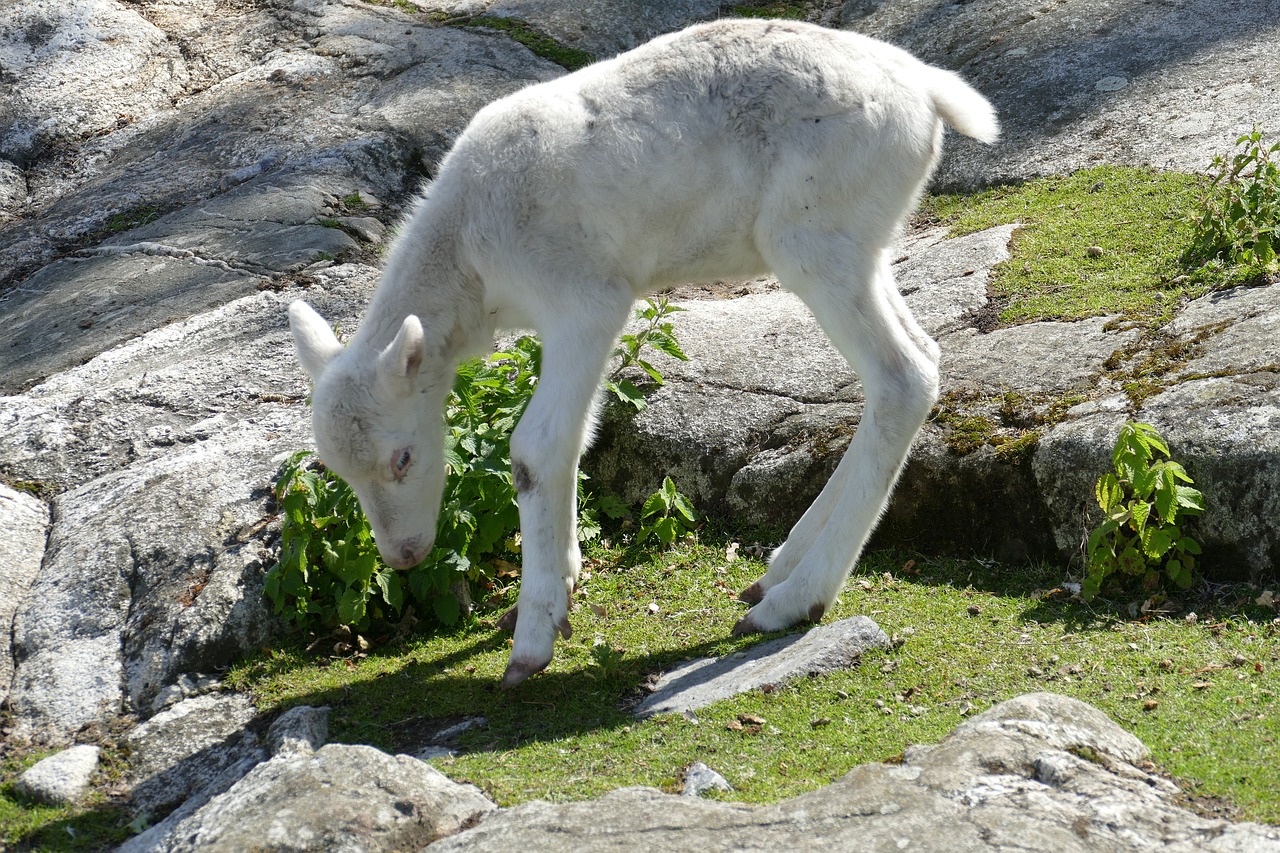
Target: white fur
[[728, 149]]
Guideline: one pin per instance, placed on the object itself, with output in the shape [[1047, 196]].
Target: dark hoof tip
[[518, 671], [752, 594]]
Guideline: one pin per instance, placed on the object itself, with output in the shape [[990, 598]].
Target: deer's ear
[[314, 341], [399, 363]]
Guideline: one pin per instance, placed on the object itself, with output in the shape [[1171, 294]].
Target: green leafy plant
[[656, 333], [666, 516], [329, 572], [1143, 502], [606, 661], [1240, 220]]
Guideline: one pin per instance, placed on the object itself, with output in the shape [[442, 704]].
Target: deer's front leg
[[547, 493], [545, 448]]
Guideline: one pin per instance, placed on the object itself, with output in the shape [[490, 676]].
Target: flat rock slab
[[340, 798], [26, 522], [1167, 84], [1012, 778], [820, 650]]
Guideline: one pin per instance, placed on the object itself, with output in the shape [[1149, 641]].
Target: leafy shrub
[[666, 516], [656, 334], [1240, 222], [329, 572], [328, 569], [1143, 501]]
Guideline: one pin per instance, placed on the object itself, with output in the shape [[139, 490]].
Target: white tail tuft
[[963, 107]]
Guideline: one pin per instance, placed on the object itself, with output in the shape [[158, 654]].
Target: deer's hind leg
[[850, 289]]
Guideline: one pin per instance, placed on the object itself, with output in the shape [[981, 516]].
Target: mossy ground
[[1200, 691], [1106, 240]]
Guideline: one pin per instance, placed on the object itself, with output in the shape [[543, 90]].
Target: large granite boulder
[[173, 172]]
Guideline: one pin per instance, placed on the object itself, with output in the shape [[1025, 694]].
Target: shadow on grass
[[1049, 600], [400, 697], [402, 709]]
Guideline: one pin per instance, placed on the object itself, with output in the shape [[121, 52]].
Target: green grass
[[975, 634], [1106, 240], [97, 824]]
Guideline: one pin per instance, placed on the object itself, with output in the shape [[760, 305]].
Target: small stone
[[700, 778], [60, 779], [1150, 705], [974, 610], [300, 730], [1094, 251]]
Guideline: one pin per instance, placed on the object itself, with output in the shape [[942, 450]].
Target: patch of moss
[[1010, 421], [1143, 366], [1106, 240], [1017, 448], [570, 58], [135, 217], [794, 10], [966, 433]]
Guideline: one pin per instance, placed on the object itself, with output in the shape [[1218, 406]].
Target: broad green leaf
[[1139, 512], [1189, 545], [667, 344], [685, 508], [1166, 504], [392, 592], [655, 504], [351, 606], [1156, 542], [626, 391], [446, 608], [665, 530], [1190, 500], [654, 373]]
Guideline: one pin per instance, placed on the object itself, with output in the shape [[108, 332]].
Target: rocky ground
[[173, 173]]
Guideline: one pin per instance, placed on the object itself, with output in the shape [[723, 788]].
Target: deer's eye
[[400, 462]]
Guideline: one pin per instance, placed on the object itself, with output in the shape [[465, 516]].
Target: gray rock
[[600, 27], [699, 778], [944, 279], [154, 565], [176, 753], [236, 162], [340, 798], [1040, 772], [62, 778], [299, 730], [1165, 84], [820, 650], [26, 525], [205, 773], [74, 70], [140, 563]]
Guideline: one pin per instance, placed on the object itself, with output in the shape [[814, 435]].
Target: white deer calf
[[725, 150]]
